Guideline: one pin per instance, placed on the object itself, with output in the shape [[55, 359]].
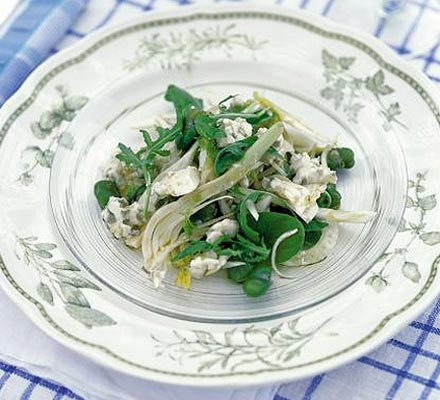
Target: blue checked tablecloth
[[32, 366]]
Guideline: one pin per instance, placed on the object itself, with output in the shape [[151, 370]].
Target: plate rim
[[377, 50]]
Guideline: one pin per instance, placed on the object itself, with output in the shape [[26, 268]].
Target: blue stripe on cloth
[[396, 371], [54, 387], [110, 14], [414, 349], [434, 377], [412, 355], [58, 396], [278, 397], [422, 8], [313, 386], [380, 27], [30, 52], [328, 7], [135, 4], [304, 3], [430, 6], [425, 327], [431, 57], [4, 378], [28, 392]]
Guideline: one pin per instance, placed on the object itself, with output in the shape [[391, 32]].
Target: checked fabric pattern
[[405, 368]]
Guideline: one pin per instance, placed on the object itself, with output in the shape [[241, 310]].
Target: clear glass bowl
[[377, 182]]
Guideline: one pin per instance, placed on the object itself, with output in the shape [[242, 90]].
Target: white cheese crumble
[[206, 264], [301, 198], [310, 171], [124, 220], [225, 227], [235, 129], [178, 183]]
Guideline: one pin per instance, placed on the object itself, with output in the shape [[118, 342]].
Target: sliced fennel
[[319, 251], [355, 217], [161, 235]]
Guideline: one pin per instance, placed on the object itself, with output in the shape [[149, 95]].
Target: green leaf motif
[[74, 279], [428, 203], [49, 126], [49, 120], [179, 50], [39, 132], [234, 348], [329, 60], [330, 93], [393, 111], [45, 158], [64, 264], [66, 140], [402, 225], [74, 295], [75, 103], [45, 293], [377, 282], [410, 270], [409, 202], [89, 317], [62, 280], [430, 238], [376, 84], [43, 254], [346, 62], [347, 90], [45, 246]]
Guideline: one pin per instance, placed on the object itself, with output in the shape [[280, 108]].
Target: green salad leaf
[[231, 154], [105, 189], [271, 225]]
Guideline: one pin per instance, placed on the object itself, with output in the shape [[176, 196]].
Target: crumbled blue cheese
[[237, 101], [206, 264], [301, 198], [178, 183], [281, 145], [225, 227], [309, 170], [124, 221], [235, 129], [118, 172]]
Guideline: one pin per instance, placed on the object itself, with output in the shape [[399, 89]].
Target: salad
[[241, 186]]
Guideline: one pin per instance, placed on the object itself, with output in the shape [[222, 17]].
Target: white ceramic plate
[[84, 289]]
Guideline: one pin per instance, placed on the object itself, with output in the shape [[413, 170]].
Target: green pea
[[104, 190], [325, 200], [259, 280], [240, 273], [335, 196], [262, 271], [340, 157], [255, 287], [347, 156]]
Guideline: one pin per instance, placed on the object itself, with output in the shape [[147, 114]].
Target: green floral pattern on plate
[[50, 129], [421, 204], [181, 49], [62, 280], [347, 90], [272, 347]]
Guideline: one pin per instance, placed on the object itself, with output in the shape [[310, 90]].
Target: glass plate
[[378, 182]]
